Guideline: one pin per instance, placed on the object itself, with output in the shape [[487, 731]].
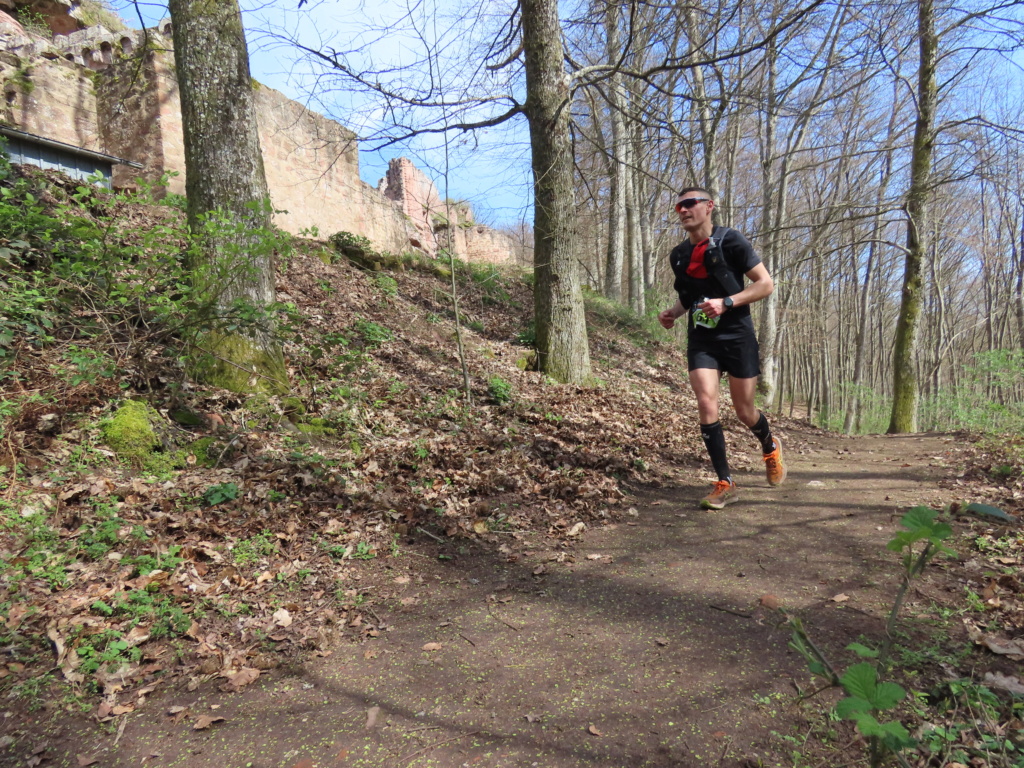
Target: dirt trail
[[651, 649]]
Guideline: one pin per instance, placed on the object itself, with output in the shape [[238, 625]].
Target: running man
[[709, 267]]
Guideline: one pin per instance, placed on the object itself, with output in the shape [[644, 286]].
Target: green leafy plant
[[218, 494], [363, 551], [499, 389], [250, 551], [145, 564], [346, 241], [385, 283], [373, 334], [868, 695]]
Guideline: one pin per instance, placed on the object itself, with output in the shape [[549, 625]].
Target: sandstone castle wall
[[116, 92]]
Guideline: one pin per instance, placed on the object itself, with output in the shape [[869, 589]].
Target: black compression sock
[[763, 433], [714, 441]]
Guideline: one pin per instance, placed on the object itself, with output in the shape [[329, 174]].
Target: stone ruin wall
[[437, 223], [87, 89]]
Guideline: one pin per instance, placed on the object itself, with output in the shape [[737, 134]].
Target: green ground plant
[[870, 699], [499, 389], [250, 551], [70, 267]]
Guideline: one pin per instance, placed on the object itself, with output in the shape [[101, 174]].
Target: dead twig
[[424, 728], [369, 609], [725, 748], [425, 532], [493, 615], [723, 609]]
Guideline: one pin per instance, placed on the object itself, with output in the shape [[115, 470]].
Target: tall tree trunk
[[905, 385], [1019, 283], [634, 251], [225, 180], [768, 326], [617, 198], [562, 347]]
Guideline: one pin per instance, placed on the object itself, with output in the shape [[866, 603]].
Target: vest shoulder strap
[[716, 265]]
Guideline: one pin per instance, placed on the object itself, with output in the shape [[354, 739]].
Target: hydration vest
[[717, 267]]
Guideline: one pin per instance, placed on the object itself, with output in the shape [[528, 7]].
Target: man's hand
[[667, 318], [712, 307]]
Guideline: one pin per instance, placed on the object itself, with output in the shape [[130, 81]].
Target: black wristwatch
[[727, 302]]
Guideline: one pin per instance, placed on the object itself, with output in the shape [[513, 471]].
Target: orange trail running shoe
[[724, 492], [773, 466]]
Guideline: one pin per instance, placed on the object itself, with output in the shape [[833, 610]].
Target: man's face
[[694, 209]]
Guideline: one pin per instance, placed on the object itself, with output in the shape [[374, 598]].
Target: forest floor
[[380, 571], [649, 642]]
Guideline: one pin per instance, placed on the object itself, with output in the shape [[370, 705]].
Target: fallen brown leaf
[[239, 679], [593, 731], [85, 760], [205, 721]]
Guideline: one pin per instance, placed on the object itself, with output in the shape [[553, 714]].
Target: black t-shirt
[[740, 257]]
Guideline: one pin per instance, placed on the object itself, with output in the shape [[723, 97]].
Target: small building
[[49, 154]]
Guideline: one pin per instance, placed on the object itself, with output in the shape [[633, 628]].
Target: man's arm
[[668, 317], [761, 285]]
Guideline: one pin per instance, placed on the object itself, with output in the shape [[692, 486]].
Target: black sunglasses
[[689, 202]]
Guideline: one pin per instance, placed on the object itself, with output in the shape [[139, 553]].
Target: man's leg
[[705, 386], [742, 391]]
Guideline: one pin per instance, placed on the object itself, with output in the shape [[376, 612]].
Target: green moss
[[316, 427], [239, 364], [163, 464], [201, 450], [129, 432], [187, 418], [293, 406], [21, 78], [527, 362]]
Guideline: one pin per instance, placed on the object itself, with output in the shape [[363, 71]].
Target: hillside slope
[[165, 541]]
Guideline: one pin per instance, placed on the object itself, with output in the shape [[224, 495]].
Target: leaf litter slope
[[638, 646], [644, 643]]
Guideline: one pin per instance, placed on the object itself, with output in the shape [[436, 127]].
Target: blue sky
[[489, 168]]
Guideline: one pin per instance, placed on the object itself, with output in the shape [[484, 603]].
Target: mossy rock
[[129, 432]]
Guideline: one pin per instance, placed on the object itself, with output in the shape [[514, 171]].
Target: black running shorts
[[739, 357]]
